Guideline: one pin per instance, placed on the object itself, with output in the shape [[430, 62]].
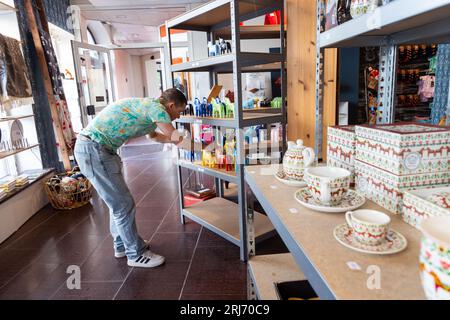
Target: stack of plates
[[8, 183], [3, 193], [21, 181]]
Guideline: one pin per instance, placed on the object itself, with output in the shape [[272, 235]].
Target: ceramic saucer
[[351, 201], [281, 176], [395, 242]]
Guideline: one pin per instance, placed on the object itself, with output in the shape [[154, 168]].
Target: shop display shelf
[[45, 172], [252, 32], [398, 22], [229, 176], [4, 154], [326, 263], [267, 270], [12, 118], [249, 119], [250, 62], [262, 110], [216, 14], [221, 217]]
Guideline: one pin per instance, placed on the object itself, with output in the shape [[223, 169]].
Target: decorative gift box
[[341, 148], [404, 149], [425, 203], [386, 189]]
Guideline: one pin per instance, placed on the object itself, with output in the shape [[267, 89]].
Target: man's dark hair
[[173, 95]]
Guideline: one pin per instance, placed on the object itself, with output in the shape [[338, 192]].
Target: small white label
[[252, 172], [198, 121], [201, 170], [412, 160], [353, 265], [362, 184], [274, 187], [293, 210]]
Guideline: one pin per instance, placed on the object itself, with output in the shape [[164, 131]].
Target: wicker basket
[[67, 197]]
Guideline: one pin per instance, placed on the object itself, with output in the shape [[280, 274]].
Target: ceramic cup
[[328, 185], [435, 257], [370, 227]]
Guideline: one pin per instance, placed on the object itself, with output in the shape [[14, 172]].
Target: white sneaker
[[147, 260], [122, 254]]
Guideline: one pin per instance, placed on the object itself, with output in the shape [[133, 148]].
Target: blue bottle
[[197, 106]]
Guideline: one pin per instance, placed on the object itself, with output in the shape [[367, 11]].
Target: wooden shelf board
[[221, 216], [266, 270], [5, 154]]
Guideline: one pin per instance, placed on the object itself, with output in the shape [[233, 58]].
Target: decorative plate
[[395, 242], [16, 131], [351, 201], [281, 176]]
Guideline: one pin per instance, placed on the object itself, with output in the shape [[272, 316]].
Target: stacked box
[[395, 158], [404, 149], [386, 189], [425, 203], [341, 148]]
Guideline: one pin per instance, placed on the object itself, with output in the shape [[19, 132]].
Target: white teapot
[[296, 159]]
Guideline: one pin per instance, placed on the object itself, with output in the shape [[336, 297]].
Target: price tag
[[293, 210], [198, 121], [201, 170], [252, 172], [273, 187], [353, 265]]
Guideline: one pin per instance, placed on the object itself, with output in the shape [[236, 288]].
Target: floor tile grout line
[[151, 189], [190, 264], [39, 256], [81, 264], [140, 172]]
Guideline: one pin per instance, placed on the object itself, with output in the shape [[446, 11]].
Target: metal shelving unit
[[395, 23], [222, 18]]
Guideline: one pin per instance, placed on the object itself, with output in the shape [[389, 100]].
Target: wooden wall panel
[[301, 70], [330, 106]]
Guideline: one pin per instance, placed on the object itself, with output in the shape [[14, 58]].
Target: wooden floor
[[199, 265]]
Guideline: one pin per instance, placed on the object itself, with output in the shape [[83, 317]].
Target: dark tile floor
[[199, 265]]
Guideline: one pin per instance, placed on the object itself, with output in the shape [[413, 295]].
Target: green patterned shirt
[[126, 119]]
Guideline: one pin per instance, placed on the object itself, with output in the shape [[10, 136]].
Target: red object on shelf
[[190, 200], [273, 18]]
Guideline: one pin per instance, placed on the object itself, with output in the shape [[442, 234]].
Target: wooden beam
[[301, 70]]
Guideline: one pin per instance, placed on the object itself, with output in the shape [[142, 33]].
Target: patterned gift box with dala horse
[[404, 148], [387, 189], [425, 203], [341, 148]]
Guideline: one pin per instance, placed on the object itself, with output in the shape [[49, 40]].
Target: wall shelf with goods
[[391, 26], [21, 168], [254, 132]]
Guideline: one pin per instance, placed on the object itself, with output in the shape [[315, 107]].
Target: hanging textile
[[15, 88], [58, 90], [440, 111], [52, 62]]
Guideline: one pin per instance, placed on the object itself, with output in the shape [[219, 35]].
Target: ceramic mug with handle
[[370, 227], [435, 257], [328, 185]]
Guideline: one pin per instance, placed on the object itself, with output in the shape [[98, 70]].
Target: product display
[[296, 159], [350, 201], [394, 242], [327, 185], [342, 148], [15, 87], [435, 258], [422, 204], [404, 149], [386, 189]]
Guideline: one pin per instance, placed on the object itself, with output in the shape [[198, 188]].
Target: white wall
[[128, 75], [150, 74]]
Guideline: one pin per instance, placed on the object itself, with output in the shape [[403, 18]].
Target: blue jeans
[[104, 169]]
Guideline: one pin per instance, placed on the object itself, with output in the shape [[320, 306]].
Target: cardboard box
[[404, 149], [341, 148], [386, 189], [424, 203]]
